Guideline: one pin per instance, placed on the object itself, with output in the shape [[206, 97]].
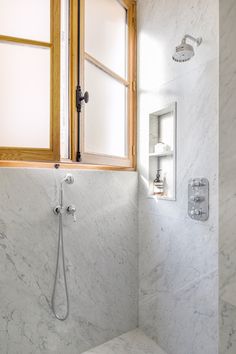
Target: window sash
[[53, 153], [130, 83], [16, 155]]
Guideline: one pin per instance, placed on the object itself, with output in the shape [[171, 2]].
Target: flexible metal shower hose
[[60, 246]]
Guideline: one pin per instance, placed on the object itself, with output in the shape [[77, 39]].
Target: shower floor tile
[[133, 342]]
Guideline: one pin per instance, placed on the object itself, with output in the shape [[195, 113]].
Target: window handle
[[80, 98]]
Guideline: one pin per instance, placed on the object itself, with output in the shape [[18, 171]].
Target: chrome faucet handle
[[197, 183], [197, 198], [198, 212], [71, 210]]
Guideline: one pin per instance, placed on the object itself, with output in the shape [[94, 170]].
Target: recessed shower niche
[[162, 153]]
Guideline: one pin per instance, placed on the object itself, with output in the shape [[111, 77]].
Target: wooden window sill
[[62, 165]]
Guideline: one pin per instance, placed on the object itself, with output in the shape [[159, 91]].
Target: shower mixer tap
[[69, 210], [198, 199]]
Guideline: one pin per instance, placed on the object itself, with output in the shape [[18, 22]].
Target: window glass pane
[[24, 96], [105, 114], [106, 32], [26, 19], [64, 126]]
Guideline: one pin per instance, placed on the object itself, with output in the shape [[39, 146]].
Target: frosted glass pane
[[26, 19], [105, 33], [105, 114], [64, 104], [24, 96]]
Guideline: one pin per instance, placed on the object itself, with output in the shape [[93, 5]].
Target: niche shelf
[[162, 152], [168, 153]]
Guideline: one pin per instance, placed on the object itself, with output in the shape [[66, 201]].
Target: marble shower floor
[[133, 342]]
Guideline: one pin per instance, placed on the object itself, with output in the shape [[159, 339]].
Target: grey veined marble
[[227, 167], [101, 260], [178, 258], [133, 342]]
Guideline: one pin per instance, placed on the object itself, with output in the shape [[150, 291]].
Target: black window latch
[[80, 98]]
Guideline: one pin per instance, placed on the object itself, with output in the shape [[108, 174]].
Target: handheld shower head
[[185, 51], [69, 179]]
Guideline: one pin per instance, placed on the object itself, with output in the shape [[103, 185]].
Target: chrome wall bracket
[[198, 199]]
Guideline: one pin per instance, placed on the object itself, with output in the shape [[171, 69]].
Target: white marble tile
[[227, 328], [174, 253], [183, 321], [101, 260], [228, 292], [227, 223], [134, 342], [161, 27], [174, 250], [178, 259], [197, 121]]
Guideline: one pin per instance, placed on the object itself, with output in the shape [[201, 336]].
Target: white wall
[[178, 258], [101, 259]]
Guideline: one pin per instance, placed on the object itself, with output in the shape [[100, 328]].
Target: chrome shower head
[[185, 51]]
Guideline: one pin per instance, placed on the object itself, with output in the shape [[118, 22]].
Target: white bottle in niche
[[158, 185]]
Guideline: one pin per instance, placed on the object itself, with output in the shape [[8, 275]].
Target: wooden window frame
[[130, 83], [50, 158], [53, 153]]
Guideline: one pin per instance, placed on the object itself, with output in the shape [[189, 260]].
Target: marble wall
[[178, 261], [101, 260], [227, 225]]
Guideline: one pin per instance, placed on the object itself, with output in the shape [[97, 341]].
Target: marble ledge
[[133, 342]]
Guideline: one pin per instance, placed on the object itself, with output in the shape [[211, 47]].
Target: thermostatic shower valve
[[198, 199]]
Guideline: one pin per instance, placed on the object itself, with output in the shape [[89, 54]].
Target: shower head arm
[[196, 40]]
